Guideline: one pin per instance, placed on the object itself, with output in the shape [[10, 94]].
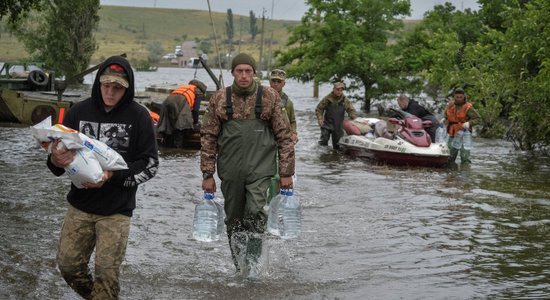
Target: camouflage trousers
[[80, 234]]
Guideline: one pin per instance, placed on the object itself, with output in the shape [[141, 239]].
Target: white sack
[[92, 156]]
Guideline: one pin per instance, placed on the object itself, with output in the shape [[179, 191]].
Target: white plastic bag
[[92, 156]]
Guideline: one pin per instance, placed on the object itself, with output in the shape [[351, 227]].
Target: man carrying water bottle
[[243, 130], [460, 114]]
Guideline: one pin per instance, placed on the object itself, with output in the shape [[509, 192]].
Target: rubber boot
[[253, 254]]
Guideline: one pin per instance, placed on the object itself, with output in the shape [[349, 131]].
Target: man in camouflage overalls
[[243, 131], [330, 115]]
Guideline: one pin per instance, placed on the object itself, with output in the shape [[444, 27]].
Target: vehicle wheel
[[38, 79]]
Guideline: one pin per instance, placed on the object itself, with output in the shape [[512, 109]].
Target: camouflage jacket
[[288, 108], [272, 113], [332, 99]]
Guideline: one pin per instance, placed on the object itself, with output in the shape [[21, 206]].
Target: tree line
[[499, 54]]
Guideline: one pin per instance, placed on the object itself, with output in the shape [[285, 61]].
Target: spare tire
[[38, 79]]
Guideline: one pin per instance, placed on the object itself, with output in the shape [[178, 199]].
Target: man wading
[[243, 130], [99, 215]]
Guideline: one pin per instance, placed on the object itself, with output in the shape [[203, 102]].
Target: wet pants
[[325, 135], [80, 234], [453, 153], [245, 217]]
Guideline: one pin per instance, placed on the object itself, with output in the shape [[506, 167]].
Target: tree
[[61, 36], [434, 50], [501, 55], [347, 39], [15, 9], [492, 12], [253, 25], [524, 59], [229, 28], [155, 51]]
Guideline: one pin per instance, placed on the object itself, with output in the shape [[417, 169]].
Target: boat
[[146, 67], [28, 94], [180, 139], [32, 95], [408, 145]]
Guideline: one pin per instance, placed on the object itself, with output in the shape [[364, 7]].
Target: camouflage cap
[[277, 74], [114, 73]]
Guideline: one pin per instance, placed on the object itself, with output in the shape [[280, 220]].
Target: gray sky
[[282, 9]]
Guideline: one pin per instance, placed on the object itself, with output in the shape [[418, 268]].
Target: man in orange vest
[[460, 114], [180, 110]]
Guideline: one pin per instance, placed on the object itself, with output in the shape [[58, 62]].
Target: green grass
[[131, 29]]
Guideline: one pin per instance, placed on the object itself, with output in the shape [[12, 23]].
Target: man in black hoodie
[[99, 214]]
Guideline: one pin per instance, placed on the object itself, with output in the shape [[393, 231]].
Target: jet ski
[[408, 145]]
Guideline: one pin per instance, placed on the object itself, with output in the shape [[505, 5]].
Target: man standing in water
[[460, 114], [277, 80], [99, 214], [330, 115], [243, 131]]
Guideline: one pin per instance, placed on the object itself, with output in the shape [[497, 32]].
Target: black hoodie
[[128, 129]]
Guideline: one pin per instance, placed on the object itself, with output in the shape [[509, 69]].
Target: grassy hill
[[131, 29]]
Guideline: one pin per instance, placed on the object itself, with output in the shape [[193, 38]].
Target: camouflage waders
[[332, 126], [453, 153], [246, 164]]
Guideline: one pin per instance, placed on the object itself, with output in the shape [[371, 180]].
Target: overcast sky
[[282, 9]]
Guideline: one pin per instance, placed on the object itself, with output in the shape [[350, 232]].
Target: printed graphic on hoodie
[[116, 136], [91, 129]]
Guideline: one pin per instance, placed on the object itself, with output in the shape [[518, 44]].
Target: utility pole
[[315, 81], [262, 42], [240, 33], [271, 39]]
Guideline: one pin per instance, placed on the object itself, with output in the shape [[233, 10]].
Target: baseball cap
[[277, 74], [114, 73]]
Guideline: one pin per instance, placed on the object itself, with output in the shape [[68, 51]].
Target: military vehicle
[[28, 94]]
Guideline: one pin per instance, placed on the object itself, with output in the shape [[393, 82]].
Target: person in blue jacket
[[98, 216]]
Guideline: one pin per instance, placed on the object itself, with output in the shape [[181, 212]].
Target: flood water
[[369, 231]]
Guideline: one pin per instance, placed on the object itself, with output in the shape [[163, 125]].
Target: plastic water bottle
[[275, 214], [292, 216], [457, 140], [467, 139], [221, 215], [441, 134], [205, 223]]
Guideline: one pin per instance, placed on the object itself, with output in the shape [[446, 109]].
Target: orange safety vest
[[456, 116], [188, 91], [155, 117]]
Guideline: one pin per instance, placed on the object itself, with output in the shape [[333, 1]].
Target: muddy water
[[369, 231]]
